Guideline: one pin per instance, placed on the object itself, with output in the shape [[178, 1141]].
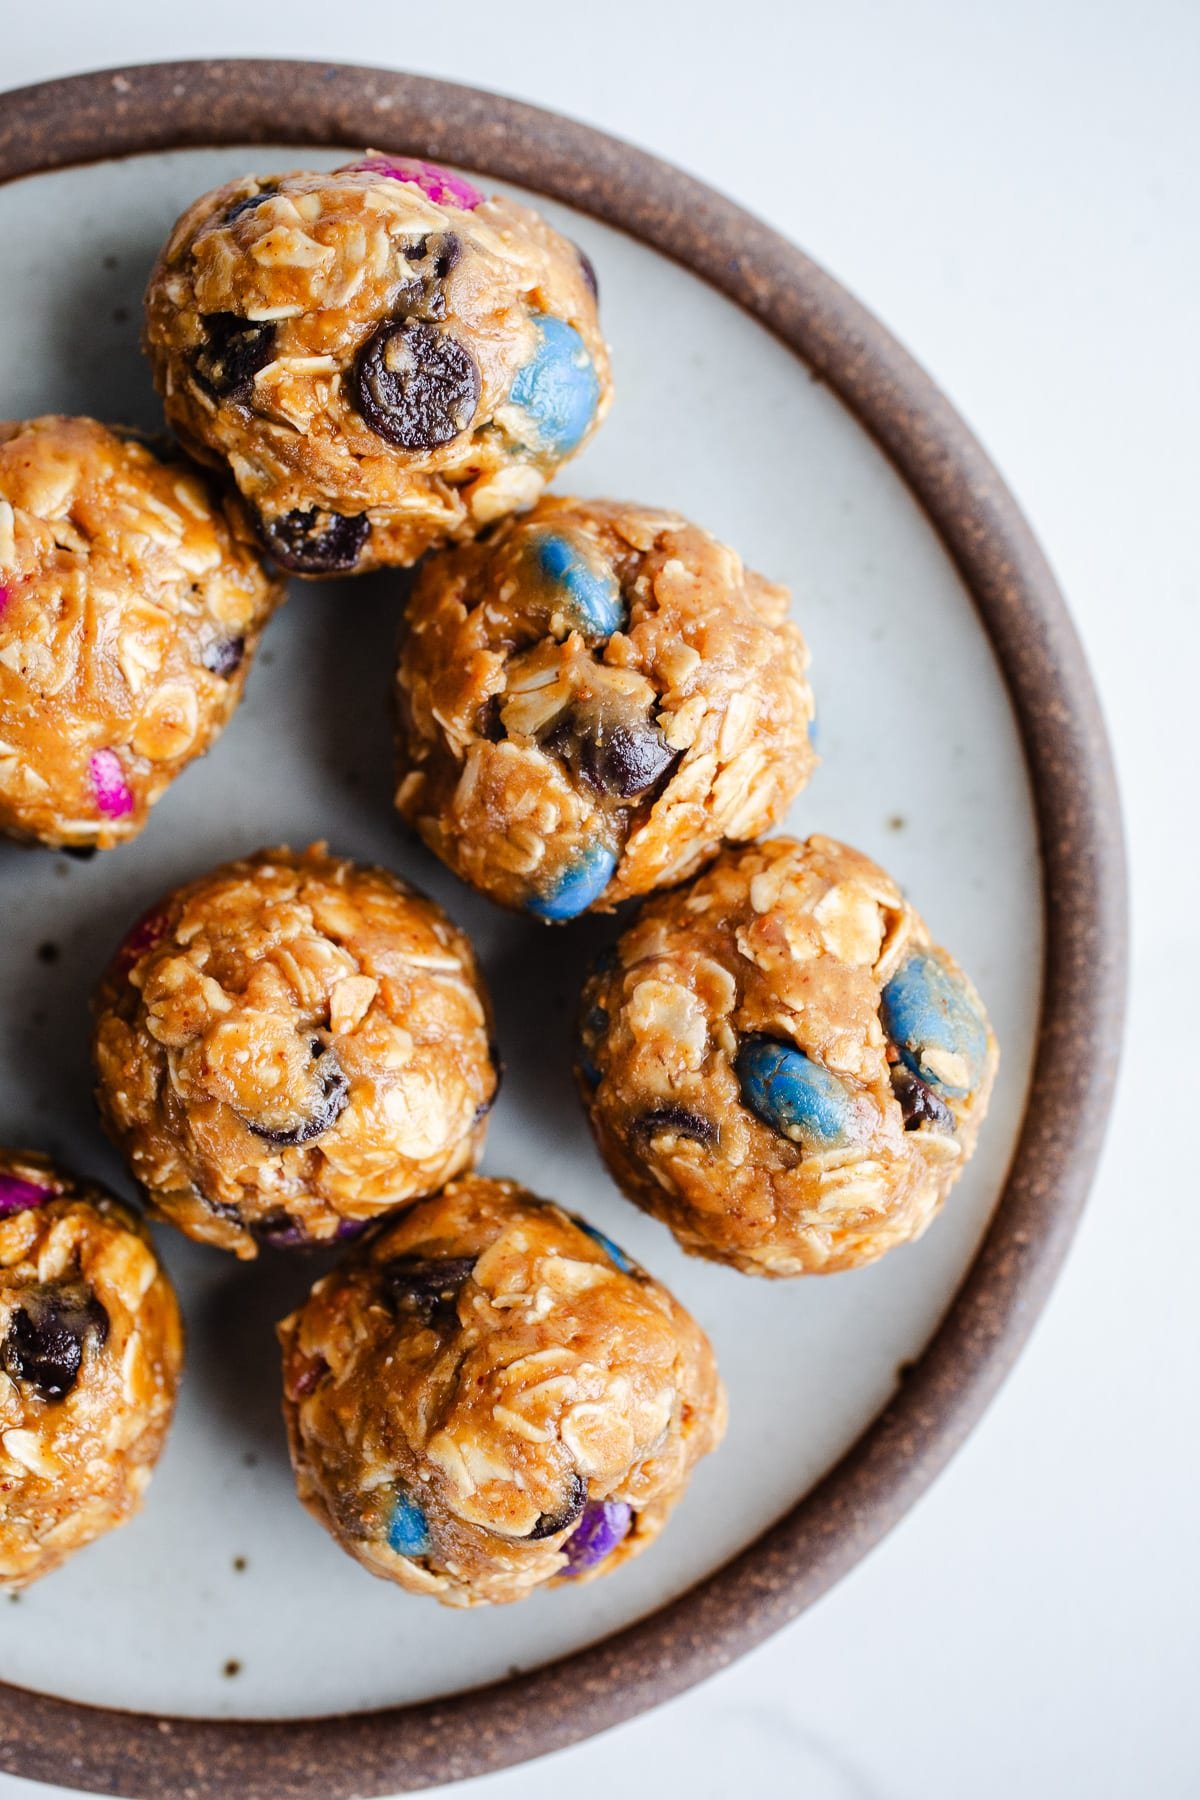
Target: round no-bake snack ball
[[291, 1045], [91, 1349], [491, 1396], [591, 701], [131, 601], [780, 1065], [384, 357]]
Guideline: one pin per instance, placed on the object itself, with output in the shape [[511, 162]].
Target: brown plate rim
[[170, 106]]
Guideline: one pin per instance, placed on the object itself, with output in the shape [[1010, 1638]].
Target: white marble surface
[[1013, 191]]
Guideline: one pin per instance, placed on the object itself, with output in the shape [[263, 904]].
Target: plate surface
[[224, 1599]]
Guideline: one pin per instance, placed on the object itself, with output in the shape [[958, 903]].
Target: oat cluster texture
[[596, 702]]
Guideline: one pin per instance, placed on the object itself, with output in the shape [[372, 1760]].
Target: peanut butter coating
[[489, 1398], [290, 1046], [132, 598], [91, 1349]]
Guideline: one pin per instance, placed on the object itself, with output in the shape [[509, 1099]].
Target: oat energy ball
[[384, 357], [591, 701], [131, 601], [91, 1349], [291, 1045], [491, 1397], [780, 1065]]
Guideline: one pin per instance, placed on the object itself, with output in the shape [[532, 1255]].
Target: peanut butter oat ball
[[491, 1396], [91, 1349], [592, 700], [780, 1065], [131, 601], [290, 1046], [382, 356]]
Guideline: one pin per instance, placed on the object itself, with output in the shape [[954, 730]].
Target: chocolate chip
[[46, 1336], [491, 725], [624, 761], [235, 350], [414, 385], [248, 204], [587, 269], [426, 1285], [224, 655], [919, 1104], [80, 852], [680, 1121], [431, 259], [329, 1098], [567, 1514], [316, 542]]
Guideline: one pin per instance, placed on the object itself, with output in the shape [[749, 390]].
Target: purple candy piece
[[603, 1525], [18, 1196], [442, 186], [3, 597], [287, 1234], [112, 791], [350, 1228]]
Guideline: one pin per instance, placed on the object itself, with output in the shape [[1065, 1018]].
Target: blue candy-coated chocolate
[[582, 880], [558, 389], [613, 1251], [590, 597], [603, 1526], [935, 1024], [794, 1095], [408, 1531]]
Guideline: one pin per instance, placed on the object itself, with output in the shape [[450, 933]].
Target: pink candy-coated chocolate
[[441, 186], [150, 928], [3, 597], [18, 1196], [112, 791]]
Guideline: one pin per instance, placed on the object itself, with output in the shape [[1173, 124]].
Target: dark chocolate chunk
[[568, 1513], [431, 259], [681, 1121], [234, 351], [316, 542], [46, 1337], [415, 386], [625, 761], [426, 1285], [224, 655], [919, 1104], [587, 269], [247, 204], [330, 1094]]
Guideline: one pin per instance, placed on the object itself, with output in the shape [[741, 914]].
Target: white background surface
[[1014, 191]]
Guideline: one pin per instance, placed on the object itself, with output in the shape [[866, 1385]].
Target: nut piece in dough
[[131, 603], [290, 1046], [779, 1064], [490, 1396], [382, 356], [591, 701], [91, 1348]]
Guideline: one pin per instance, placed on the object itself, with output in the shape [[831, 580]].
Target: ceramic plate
[[224, 1601]]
